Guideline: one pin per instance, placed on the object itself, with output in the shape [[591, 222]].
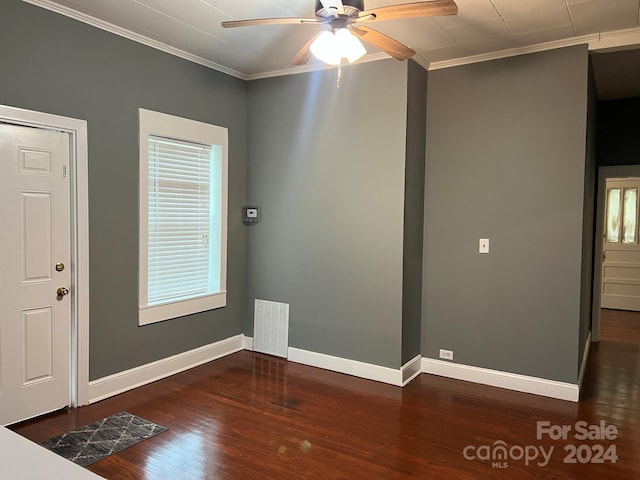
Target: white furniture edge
[[22, 459]]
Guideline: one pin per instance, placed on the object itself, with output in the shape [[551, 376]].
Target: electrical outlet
[[446, 354]]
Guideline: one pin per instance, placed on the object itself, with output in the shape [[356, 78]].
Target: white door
[[35, 319], [621, 246]]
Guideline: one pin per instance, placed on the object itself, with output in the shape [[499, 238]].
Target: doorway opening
[[617, 243]]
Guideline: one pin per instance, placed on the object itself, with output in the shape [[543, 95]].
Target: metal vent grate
[[271, 328]]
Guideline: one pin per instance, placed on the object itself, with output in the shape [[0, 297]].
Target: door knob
[[62, 291]]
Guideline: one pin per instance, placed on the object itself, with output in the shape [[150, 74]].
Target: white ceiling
[[481, 26]]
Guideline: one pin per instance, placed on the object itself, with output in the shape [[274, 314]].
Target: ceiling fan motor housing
[[351, 8]]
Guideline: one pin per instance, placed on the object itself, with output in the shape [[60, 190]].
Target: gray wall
[[335, 171], [588, 216], [506, 161], [413, 211], [53, 64], [327, 167]]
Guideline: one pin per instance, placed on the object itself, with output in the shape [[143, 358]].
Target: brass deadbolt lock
[[59, 267]]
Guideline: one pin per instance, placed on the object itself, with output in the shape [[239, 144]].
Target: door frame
[[604, 174], [79, 205]]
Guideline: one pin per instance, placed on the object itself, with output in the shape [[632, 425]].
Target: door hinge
[[64, 171]]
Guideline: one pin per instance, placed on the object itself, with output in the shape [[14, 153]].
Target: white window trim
[[161, 124]]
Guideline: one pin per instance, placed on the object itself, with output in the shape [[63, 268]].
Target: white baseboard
[[411, 369], [585, 357], [344, 365], [136, 377], [495, 378]]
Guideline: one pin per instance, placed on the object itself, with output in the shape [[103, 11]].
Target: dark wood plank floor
[[251, 416], [620, 326]]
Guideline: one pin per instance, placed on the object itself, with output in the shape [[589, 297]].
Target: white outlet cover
[[446, 354], [484, 245]]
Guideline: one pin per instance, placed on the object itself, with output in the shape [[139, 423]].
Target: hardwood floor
[[251, 416], [620, 326]]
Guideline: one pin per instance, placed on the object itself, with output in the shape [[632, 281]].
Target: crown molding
[[617, 40], [373, 57], [123, 32], [420, 60], [597, 42], [513, 52]]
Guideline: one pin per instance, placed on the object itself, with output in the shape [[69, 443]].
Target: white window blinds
[[183, 217], [180, 217]]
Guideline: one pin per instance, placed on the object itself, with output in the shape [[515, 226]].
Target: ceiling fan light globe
[[350, 47], [326, 48]]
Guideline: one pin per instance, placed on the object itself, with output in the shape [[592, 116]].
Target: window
[[613, 215], [629, 228], [183, 217], [622, 212]]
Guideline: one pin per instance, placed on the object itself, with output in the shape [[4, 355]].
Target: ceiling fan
[[347, 21]]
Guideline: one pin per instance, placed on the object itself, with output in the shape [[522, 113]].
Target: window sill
[[158, 313]]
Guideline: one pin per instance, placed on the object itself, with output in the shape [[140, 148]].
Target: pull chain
[[339, 74]]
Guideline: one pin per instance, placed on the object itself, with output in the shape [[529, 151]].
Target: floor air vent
[[271, 328]]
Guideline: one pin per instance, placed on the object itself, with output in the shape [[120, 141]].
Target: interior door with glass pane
[[621, 250]]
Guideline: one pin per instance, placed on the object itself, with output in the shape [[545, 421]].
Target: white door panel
[[35, 323]]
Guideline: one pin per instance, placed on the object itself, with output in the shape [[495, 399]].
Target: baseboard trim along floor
[[136, 377], [121, 382], [509, 381]]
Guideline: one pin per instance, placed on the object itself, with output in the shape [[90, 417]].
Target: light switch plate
[[484, 245]]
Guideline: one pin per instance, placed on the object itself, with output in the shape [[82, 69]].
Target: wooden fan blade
[[383, 42], [304, 54], [269, 21], [407, 10]]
